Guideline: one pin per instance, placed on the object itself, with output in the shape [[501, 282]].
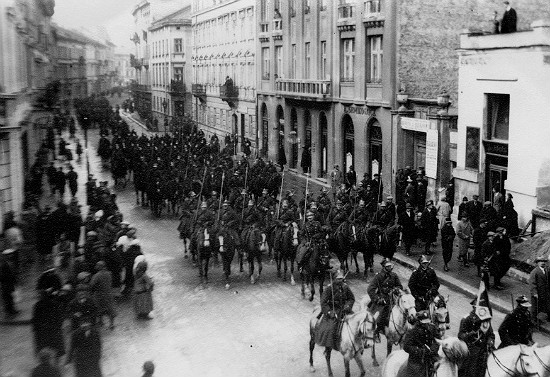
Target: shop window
[[472, 148], [497, 116]]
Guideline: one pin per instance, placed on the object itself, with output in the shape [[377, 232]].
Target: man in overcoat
[[421, 345], [407, 220], [517, 326], [540, 291]]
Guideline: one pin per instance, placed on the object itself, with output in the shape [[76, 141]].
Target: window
[[307, 6], [307, 55], [375, 59], [346, 8], [324, 4], [178, 73], [278, 61], [372, 7], [265, 63], [293, 58], [349, 59], [323, 68], [292, 8], [472, 148], [497, 116], [178, 45]]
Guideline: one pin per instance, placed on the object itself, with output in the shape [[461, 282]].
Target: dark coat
[[379, 291], [47, 324], [429, 223], [509, 21], [408, 226], [86, 353], [474, 208], [422, 348], [538, 284], [421, 282], [336, 302], [45, 370], [516, 328], [479, 344]]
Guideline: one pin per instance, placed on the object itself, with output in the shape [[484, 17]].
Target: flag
[[144, 35], [482, 300]]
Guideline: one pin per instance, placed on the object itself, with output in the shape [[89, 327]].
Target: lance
[[305, 200], [280, 195], [221, 196], [200, 195], [246, 179]]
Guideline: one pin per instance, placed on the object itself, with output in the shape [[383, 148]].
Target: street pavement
[[199, 329]]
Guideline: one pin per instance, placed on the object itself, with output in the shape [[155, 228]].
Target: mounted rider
[[423, 283], [359, 216], [229, 220], [337, 302], [337, 215], [317, 216], [324, 203], [213, 202], [517, 326], [379, 291], [421, 345], [266, 203], [205, 219], [476, 331]]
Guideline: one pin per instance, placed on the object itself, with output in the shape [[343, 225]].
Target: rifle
[[280, 195], [221, 196], [305, 200]]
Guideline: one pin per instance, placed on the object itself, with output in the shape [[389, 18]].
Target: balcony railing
[[264, 31], [373, 8], [177, 87], [346, 14], [318, 89], [228, 92], [198, 90], [277, 31]]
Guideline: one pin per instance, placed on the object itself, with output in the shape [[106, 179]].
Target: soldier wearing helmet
[[359, 216], [205, 217], [213, 202], [251, 216], [324, 202], [337, 215], [423, 283]]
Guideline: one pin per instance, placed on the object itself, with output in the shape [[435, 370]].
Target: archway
[[374, 141], [281, 156], [294, 146], [323, 145], [349, 141], [265, 132]]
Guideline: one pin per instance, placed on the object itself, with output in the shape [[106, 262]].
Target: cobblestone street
[[206, 330]]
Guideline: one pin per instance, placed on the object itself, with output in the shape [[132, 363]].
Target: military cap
[[523, 301], [491, 234], [204, 205], [91, 233], [386, 262], [487, 203], [264, 191], [383, 204], [313, 205], [309, 213], [389, 197], [226, 202], [423, 259], [192, 194], [408, 205], [423, 316]]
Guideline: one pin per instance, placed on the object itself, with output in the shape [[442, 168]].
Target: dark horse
[[203, 246], [315, 265], [286, 240], [227, 242], [367, 242], [340, 243], [252, 239]]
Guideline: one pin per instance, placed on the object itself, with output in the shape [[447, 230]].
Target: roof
[[180, 16]]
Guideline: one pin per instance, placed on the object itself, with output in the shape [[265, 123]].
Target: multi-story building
[[170, 67], [370, 83], [70, 64], [25, 71], [224, 84], [124, 72], [503, 124], [140, 60]]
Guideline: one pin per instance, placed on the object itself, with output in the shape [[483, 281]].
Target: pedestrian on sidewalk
[[444, 210], [540, 290], [143, 288], [501, 260], [72, 178], [60, 182], [47, 367], [148, 369], [47, 323], [51, 173], [79, 150], [86, 351], [8, 280], [479, 236], [464, 231], [407, 220], [430, 225], [448, 235], [101, 285]]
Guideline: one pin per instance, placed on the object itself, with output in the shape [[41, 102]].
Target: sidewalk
[[33, 269]]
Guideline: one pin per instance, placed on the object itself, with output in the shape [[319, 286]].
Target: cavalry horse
[[185, 228], [402, 314], [286, 241], [450, 354], [366, 240], [315, 266], [356, 334], [252, 239], [203, 247], [439, 313], [227, 243], [519, 360], [340, 243]]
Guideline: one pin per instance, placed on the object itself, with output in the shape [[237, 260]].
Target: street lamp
[[164, 106]]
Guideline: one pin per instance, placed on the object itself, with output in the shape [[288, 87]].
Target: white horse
[[451, 352], [439, 314], [402, 315], [357, 334], [519, 360]]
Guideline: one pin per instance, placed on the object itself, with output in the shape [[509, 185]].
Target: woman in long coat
[[101, 285], [143, 288]]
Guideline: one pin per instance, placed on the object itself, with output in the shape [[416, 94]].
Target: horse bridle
[[405, 319], [524, 372], [364, 332]]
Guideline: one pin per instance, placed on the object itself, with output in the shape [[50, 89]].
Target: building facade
[[125, 73], [504, 127], [224, 69], [70, 64], [171, 69], [141, 90], [25, 71]]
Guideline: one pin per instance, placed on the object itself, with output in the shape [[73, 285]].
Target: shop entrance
[[349, 142], [497, 174]]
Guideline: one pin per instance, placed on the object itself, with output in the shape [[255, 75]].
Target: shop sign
[[431, 153], [363, 110], [415, 124], [499, 149]]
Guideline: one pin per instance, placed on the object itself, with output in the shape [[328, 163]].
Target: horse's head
[[366, 329], [528, 364], [542, 359], [453, 350], [407, 304]]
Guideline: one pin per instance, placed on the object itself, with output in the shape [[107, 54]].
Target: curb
[[141, 125], [467, 289]]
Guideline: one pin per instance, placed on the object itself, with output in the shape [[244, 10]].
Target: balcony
[[346, 14], [177, 87], [373, 16], [199, 91], [229, 94], [277, 32], [318, 90], [264, 31]]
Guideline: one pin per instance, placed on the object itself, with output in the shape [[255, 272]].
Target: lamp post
[[164, 106]]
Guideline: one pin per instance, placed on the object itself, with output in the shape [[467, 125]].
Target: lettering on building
[[360, 110], [473, 60]]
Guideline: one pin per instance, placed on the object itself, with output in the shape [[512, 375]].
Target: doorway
[[349, 142], [497, 174], [323, 156], [375, 148]]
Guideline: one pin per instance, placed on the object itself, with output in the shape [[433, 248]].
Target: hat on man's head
[[540, 258], [487, 203], [491, 234], [339, 274], [389, 197], [226, 202], [383, 204], [409, 179], [500, 229], [386, 262], [523, 301], [192, 194], [423, 259], [408, 205], [465, 199], [423, 316]]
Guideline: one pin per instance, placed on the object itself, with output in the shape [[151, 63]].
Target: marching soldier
[[421, 345], [516, 328], [379, 291], [476, 331], [423, 284]]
